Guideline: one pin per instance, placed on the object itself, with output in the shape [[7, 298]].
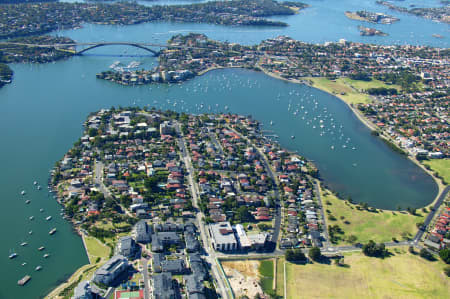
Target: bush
[[295, 255], [426, 254], [447, 271], [375, 250], [445, 255], [315, 254]]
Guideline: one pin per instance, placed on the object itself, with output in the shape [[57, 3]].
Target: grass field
[[266, 275], [441, 166], [280, 277], [400, 276], [96, 249], [351, 91], [365, 225]]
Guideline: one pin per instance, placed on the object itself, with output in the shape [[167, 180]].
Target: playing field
[[380, 226], [400, 276], [441, 166]]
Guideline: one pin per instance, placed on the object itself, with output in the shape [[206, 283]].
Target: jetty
[[24, 280]]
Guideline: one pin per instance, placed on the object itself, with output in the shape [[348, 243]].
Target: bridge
[[92, 45]]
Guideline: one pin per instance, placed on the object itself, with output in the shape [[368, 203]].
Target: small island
[[371, 17], [366, 31], [438, 14]]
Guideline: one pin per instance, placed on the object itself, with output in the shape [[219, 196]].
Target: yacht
[[39, 187], [38, 268], [27, 201], [23, 192], [13, 255], [41, 248], [46, 255], [41, 210], [48, 218], [30, 232], [34, 183], [23, 264], [23, 244], [292, 137], [52, 231], [31, 217]]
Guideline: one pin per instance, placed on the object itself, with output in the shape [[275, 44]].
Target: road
[[325, 227], [431, 215], [146, 278], [277, 226], [210, 256], [98, 181]]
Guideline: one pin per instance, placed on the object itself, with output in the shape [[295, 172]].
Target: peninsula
[[439, 14], [371, 17], [34, 19]]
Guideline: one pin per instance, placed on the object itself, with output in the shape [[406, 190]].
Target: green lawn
[[96, 248], [402, 275], [363, 85], [379, 227], [280, 277], [266, 274], [441, 166], [339, 89]]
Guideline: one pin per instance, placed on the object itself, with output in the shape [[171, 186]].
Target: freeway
[[210, 257]]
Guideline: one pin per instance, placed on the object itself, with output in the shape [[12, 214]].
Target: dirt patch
[[243, 277]]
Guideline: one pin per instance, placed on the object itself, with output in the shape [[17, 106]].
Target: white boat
[[52, 231], [23, 244], [41, 210], [27, 201], [46, 255], [30, 232], [41, 248], [34, 183], [292, 137], [23, 264], [48, 218], [38, 268], [39, 187], [13, 255], [23, 192], [31, 217]]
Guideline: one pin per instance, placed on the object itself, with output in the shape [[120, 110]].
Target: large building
[[127, 247], [143, 232], [111, 270], [163, 286], [222, 235]]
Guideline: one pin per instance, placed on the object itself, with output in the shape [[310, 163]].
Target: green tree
[[315, 254], [426, 254], [445, 255]]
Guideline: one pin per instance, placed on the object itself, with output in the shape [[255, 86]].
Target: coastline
[[369, 125]]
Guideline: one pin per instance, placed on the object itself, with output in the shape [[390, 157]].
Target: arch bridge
[[142, 46]]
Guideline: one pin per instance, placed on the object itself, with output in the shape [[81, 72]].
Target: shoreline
[[369, 125]]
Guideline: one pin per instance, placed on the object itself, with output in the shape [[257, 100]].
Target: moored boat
[[52, 231]]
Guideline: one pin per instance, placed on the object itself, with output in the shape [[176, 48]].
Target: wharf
[[24, 280]]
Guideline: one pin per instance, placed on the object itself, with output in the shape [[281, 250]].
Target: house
[[222, 235], [111, 270], [195, 289], [173, 266], [142, 232], [197, 266], [163, 287], [127, 246], [161, 239]]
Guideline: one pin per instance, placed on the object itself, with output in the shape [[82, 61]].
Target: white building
[[222, 236]]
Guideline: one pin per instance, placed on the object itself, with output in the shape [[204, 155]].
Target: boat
[[41, 210], [23, 244], [332, 147], [41, 248], [48, 218], [24, 264], [31, 217], [38, 268], [30, 232], [27, 201], [24, 280], [34, 183], [39, 187], [292, 137], [271, 122], [23, 192], [13, 255], [46, 255], [52, 231]]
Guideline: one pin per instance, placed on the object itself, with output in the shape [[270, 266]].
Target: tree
[[374, 249], [447, 271], [445, 255], [315, 254], [295, 255], [426, 254]]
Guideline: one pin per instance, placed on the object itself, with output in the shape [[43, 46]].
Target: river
[[42, 111]]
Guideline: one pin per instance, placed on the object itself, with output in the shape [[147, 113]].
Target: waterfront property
[[111, 270]]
